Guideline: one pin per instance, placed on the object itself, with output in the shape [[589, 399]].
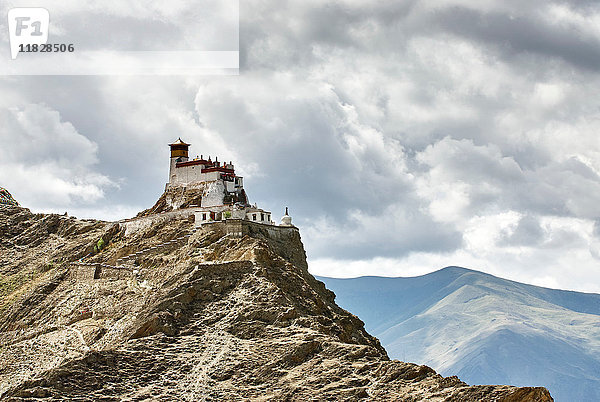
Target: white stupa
[[287, 219]]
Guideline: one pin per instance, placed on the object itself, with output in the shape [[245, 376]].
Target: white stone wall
[[136, 224], [235, 185], [189, 174], [246, 214], [238, 214], [213, 195], [202, 215], [259, 216], [173, 174]]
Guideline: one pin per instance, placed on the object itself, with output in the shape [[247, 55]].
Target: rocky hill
[[92, 311]]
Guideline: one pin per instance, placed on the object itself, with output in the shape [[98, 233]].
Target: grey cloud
[[310, 134], [568, 188], [386, 235], [517, 34], [528, 232], [312, 153], [596, 230], [268, 40], [594, 246], [385, 28], [564, 239]]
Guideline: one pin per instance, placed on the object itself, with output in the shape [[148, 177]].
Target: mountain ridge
[[199, 314], [478, 326]]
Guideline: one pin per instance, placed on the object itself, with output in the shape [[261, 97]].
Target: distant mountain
[[484, 329]]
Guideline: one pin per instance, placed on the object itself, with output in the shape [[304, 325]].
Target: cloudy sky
[[404, 136]]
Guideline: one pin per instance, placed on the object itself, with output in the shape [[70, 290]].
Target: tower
[[179, 149], [179, 153]]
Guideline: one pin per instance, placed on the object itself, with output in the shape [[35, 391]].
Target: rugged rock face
[[188, 196], [177, 197], [207, 316]]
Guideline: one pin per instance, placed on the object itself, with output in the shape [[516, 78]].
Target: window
[[262, 217], [203, 217], [253, 217], [269, 218]]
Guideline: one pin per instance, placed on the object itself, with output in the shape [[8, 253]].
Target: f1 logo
[[27, 26]]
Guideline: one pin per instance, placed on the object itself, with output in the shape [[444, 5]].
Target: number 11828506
[[46, 48]]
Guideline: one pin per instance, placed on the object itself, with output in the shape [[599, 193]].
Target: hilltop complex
[[223, 195], [209, 190]]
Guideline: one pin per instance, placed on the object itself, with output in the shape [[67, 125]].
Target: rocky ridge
[[209, 316]]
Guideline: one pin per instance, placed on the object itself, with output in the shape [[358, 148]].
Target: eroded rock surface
[[213, 317]]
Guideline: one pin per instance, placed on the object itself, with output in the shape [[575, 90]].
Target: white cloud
[[474, 179], [45, 162]]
